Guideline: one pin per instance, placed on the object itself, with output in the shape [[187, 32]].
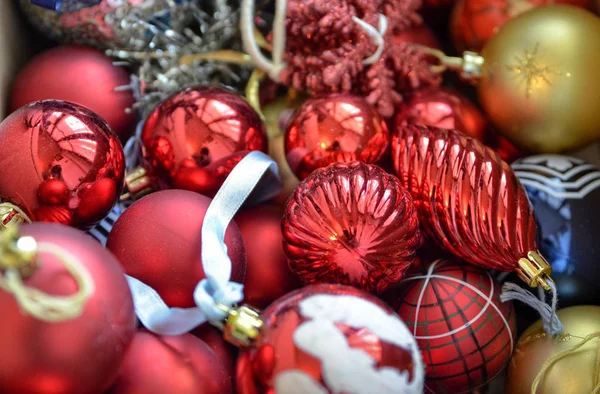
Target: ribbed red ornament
[[353, 224], [469, 200]]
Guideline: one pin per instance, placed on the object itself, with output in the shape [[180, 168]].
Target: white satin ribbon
[[239, 187]]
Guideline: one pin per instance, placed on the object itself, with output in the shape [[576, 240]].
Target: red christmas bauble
[[422, 35], [469, 201], [81, 75], [443, 108], [353, 224], [268, 275], [190, 140], [60, 162], [466, 334], [226, 352], [180, 364], [78, 356], [334, 128], [158, 241], [474, 22], [331, 339]]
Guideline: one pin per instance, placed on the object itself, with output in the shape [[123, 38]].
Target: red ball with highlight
[[81, 75], [60, 162], [158, 241], [194, 138], [77, 356], [353, 224], [334, 128]]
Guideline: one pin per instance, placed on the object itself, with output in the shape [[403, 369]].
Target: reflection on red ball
[[191, 140], [81, 75], [466, 336], [268, 275], [77, 356], [332, 128], [60, 162], [422, 35], [443, 108], [474, 22], [352, 224], [180, 364], [226, 352], [158, 241], [331, 339]]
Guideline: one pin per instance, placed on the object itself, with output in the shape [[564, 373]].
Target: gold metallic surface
[[540, 82], [12, 216], [573, 374], [535, 270], [242, 326]]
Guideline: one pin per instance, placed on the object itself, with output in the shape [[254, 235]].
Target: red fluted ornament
[[466, 334], [180, 364], [331, 339], [334, 128], [469, 201], [77, 356], [195, 137], [443, 108], [353, 224], [60, 162], [81, 75], [158, 241], [268, 275]]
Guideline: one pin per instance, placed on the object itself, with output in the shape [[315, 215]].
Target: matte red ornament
[[331, 339], [60, 162], [158, 241], [81, 75], [469, 201], [268, 275], [466, 334], [474, 22], [180, 364], [226, 352], [334, 128], [420, 34], [191, 139], [443, 108], [78, 356], [351, 224]]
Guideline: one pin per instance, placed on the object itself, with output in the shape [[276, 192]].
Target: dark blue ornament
[[65, 5], [565, 194]]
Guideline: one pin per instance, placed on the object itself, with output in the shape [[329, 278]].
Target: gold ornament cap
[[535, 270], [11, 216], [138, 184], [242, 325], [17, 252]]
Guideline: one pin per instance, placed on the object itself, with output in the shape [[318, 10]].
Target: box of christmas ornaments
[[299, 196]]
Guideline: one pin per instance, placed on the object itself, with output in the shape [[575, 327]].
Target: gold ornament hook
[[469, 66], [535, 270], [242, 325], [17, 252]]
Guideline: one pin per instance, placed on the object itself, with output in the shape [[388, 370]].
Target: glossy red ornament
[[80, 75], [470, 202], [443, 108], [60, 162], [421, 34], [268, 275], [332, 128], [226, 352], [78, 356], [466, 334], [331, 339], [353, 224], [180, 364], [474, 22], [195, 137], [158, 241]]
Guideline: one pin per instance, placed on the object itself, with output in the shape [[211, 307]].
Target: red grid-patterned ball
[[465, 333]]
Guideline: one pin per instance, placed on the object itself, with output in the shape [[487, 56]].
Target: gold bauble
[[573, 374], [540, 81]]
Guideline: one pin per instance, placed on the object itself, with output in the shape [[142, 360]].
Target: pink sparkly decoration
[[326, 50]]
